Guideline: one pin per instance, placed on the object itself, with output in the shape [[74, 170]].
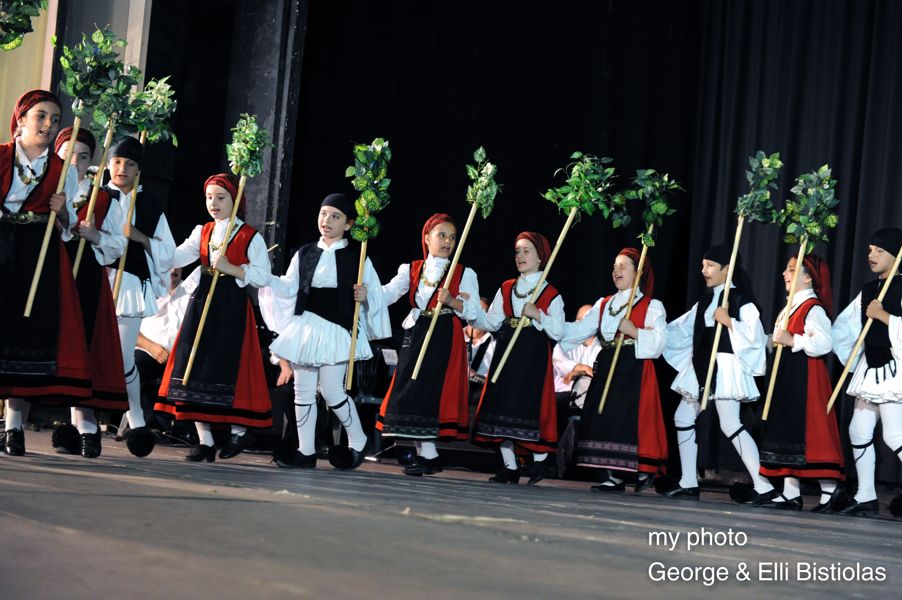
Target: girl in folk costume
[[311, 308], [519, 410], [629, 435], [44, 356], [145, 278], [876, 383], [227, 384], [434, 406], [740, 358], [800, 439], [104, 233]]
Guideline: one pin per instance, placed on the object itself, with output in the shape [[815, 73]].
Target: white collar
[[531, 278], [435, 261], [23, 158], [342, 243], [802, 295]]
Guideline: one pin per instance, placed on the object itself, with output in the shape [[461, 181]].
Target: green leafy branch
[[484, 187], [756, 205], [94, 75], [249, 140], [653, 188], [150, 111], [810, 212], [369, 175], [15, 21], [587, 189]]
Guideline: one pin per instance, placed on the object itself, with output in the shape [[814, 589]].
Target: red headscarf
[[431, 222], [230, 183], [543, 248], [84, 136], [817, 269], [26, 101], [647, 281]]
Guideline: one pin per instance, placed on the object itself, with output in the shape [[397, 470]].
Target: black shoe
[[66, 440], [541, 469], [609, 485], [895, 507], [235, 445], [853, 507], [424, 466], [90, 445], [346, 458], [140, 441], [744, 493], [785, 504], [833, 503], [506, 475], [681, 493], [643, 484], [297, 461], [15, 442], [761, 499], [201, 453]]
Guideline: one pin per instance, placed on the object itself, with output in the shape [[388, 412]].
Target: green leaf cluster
[[653, 188], [810, 212], [756, 205], [249, 140], [150, 111], [97, 79], [369, 176], [587, 189], [484, 188], [15, 20]]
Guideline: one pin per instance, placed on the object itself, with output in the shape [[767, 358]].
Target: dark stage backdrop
[[690, 88]]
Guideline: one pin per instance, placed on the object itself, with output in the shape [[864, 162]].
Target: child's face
[[332, 223], [715, 274], [123, 172], [40, 125], [219, 202], [623, 273], [804, 279], [880, 260], [441, 239], [526, 257], [81, 157]]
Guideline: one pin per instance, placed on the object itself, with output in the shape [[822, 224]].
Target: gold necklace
[[23, 176], [438, 279], [613, 312], [527, 294]]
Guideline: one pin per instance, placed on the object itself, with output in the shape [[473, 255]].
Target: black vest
[[703, 336], [147, 215], [877, 346], [333, 304]]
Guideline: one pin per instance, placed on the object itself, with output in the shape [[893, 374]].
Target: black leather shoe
[[66, 440], [15, 442], [644, 483], [895, 506], [297, 461], [235, 445], [140, 441], [784, 504], [609, 485], [506, 475], [201, 453], [871, 508], [424, 466], [833, 503], [761, 499], [681, 493], [90, 445], [346, 458], [541, 469]]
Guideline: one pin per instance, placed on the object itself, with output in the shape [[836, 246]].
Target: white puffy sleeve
[[188, 251], [818, 337], [258, 270], [555, 313], [492, 319], [469, 284], [71, 191], [374, 312], [162, 254], [749, 341], [398, 286], [845, 332], [279, 298], [678, 346], [653, 338], [571, 335], [112, 243]]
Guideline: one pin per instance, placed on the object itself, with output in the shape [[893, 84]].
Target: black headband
[[342, 203]]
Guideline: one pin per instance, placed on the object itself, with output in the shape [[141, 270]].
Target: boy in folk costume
[[311, 308], [145, 278], [480, 350], [519, 411], [227, 384], [876, 383], [629, 436], [800, 439], [104, 234], [44, 356], [740, 358], [434, 406]]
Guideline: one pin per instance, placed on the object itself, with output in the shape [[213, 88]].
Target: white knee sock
[[129, 327], [331, 384], [305, 416], [728, 413], [790, 489], [238, 430], [828, 486], [508, 455], [85, 420], [204, 433], [861, 435], [15, 413], [539, 456], [684, 419], [891, 417], [426, 449]]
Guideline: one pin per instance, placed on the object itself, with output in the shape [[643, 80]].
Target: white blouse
[[818, 337], [257, 271], [433, 268], [112, 243], [18, 190], [493, 319]]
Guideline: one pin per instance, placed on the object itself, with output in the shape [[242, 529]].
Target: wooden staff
[[51, 219], [128, 219], [723, 304], [108, 140], [438, 308], [629, 310], [784, 323], [864, 331], [349, 378], [535, 293], [203, 314]]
